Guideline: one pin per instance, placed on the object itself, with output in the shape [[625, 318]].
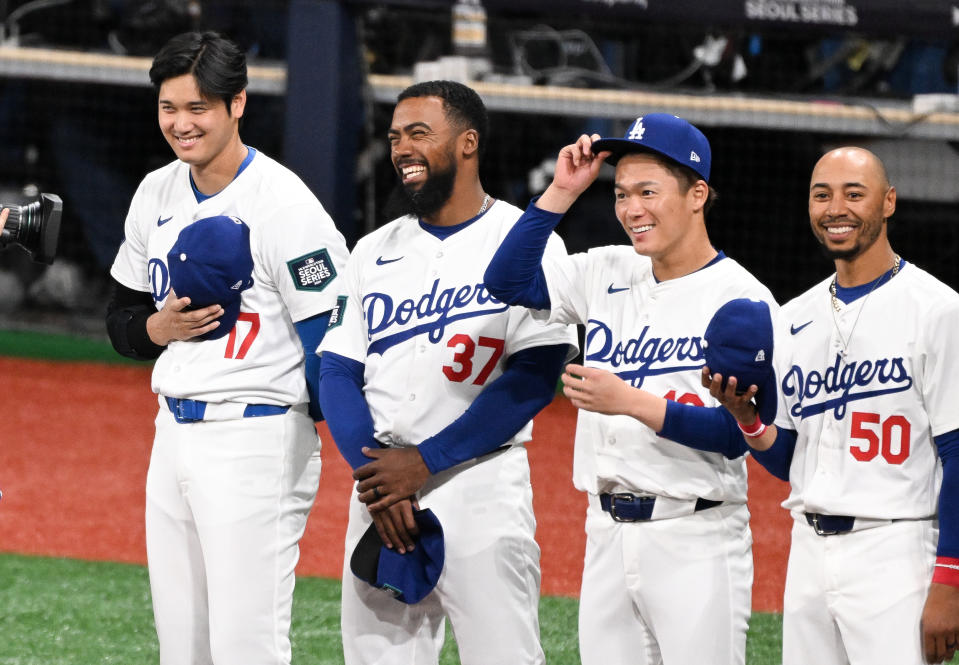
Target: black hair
[[217, 64], [463, 107], [685, 176]]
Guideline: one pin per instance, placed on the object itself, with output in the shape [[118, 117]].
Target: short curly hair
[[463, 107]]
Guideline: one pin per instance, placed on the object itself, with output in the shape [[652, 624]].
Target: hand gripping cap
[[211, 263], [666, 135], [408, 577], [739, 342]]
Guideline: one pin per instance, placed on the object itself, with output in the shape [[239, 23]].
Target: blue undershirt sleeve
[[526, 386], [715, 430], [515, 274], [710, 429], [347, 414], [311, 333], [948, 446], [779, 456]]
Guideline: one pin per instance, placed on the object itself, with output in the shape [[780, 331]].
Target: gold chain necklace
[[896, 262]]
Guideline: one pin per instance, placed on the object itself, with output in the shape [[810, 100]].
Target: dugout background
[[321, 102]]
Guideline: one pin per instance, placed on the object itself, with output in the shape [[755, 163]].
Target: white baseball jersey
[[431, 336], [649, 334], [865, 419], [227, 500], [866, 388], [296, 250]]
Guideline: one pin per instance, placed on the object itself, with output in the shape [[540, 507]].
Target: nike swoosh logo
[[380, 261], [795, 329], [161, 221], [611, 290]]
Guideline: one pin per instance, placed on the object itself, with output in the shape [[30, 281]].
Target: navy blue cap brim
[[767, 399], [619, 147], [408, 577]]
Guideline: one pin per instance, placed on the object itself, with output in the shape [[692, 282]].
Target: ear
[[889, 203], [469, 143], [238, 104], [698, 194]]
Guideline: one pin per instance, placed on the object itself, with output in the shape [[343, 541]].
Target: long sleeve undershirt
[[495, 416]]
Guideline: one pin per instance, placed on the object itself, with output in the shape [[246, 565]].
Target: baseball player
[[235, 462], [429, 385], [668, 570], [867, 433]]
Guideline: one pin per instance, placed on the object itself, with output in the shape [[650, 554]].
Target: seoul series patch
[[312, 272], [336, 316]]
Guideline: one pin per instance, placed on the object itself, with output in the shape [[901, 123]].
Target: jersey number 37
[[465, 353]]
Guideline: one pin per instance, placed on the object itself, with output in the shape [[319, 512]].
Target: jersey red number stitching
[[253, 318], [464, 358], [685, 398], [860, 429]]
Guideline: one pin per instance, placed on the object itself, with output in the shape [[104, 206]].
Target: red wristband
[[752, 431], [947, 571]]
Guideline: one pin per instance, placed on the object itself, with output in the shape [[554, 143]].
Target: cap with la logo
[[666, 135]]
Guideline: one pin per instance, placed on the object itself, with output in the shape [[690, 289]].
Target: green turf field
[[68, 612], [50, 346]]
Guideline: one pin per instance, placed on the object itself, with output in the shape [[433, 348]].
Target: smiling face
[[660, 219], [850, 200], [423, 148], [198, 128]]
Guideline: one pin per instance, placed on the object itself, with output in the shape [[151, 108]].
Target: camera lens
[[34, 226]]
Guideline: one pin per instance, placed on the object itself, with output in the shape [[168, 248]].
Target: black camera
[[34, 226]]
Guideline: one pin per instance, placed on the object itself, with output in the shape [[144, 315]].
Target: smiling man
[[227, 278], [429, 385], [868, 433], [668, 570]]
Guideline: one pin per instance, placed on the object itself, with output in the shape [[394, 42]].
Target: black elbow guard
[[127, 330]]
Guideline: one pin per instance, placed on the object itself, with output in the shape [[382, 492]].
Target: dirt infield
[[75, 444]]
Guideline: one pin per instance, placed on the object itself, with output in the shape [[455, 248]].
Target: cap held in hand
[[739, 342], [408, 577], [211, 264]]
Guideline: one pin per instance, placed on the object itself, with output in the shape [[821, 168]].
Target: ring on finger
[[376, 493]]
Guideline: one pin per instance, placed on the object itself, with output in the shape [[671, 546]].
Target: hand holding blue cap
[[739, 342], [211, 263], [408, 577]]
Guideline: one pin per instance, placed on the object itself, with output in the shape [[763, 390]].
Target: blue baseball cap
[[408, 577], [211, 263], [666, 135], [739, 342]]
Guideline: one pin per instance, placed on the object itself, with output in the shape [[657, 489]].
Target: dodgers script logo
[[437, 308], [646, 355], [159, 279], [838, 386]]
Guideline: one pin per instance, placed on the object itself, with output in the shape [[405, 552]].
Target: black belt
[[625, 507], [830, 525]]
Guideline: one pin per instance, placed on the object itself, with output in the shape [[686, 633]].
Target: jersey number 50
[[463, 358], [879, 440]]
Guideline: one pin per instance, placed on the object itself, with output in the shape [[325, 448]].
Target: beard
[[868, 238], [425, 201]]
